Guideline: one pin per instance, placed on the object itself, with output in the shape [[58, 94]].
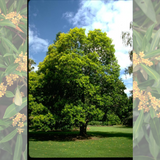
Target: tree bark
[[83, 130]]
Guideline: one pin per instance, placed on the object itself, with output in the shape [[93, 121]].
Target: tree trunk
[[83, 130]]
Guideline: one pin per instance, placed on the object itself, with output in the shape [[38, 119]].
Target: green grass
[[115, 141]]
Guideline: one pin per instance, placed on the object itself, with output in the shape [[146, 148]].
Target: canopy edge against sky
[[47, 18]]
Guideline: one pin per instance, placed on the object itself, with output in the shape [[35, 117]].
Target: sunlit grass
[[112, 141]]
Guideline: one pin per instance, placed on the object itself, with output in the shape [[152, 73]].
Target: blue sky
[[48, 17]]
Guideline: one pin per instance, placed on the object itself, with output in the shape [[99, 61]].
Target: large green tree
[[57, 38], [79, 78], [128, 41]]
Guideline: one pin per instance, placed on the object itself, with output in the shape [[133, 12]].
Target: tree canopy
[[78, 79]]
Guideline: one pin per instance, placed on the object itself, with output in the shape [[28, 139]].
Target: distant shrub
[[96, 123], [43, 122], [110, 123], [129, 120], [105, 123], [113, 119]]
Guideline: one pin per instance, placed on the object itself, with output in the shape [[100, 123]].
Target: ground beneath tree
[[66, 137]]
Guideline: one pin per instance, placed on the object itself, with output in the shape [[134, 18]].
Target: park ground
[[102, 141]]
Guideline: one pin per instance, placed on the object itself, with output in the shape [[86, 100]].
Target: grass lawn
[[108, 141]]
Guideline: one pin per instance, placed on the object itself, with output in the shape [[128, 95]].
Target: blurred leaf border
[[146, 79], [13, 79]]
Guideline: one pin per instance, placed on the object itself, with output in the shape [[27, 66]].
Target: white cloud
[[123, 59], [37, 44], [64, 26], [126, 77], [113, 18], [35, 68], [68, 14], [34, 14], [127, 91]]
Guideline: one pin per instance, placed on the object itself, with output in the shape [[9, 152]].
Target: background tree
[[79, 78], [31, 62], [128, 41]]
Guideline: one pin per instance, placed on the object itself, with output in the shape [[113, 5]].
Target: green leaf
[[23, 27], [19, 5], [13, 109], [136, 68], [135, 103], [149, 32], [155, 94], [25, 153], [12, 6], [144, 84], [3, 6], [11, 68], [135, 24], [2, 17], [24, 20], [20, 48], [9, 136], [18, 73], [25, 47], [8, 111], [144, 43], [24, 73], [135, 113], [138, 124], [18, 148], [142, 157], [152, 112], [147, 8], [152, 53], [23, 11], [140, 135], [138, 38], [135, 45], [4, 124], [7, 23], [6, 147], [148, 47], [147, 118], [9, 94], [1, 59], [9, 44], [2, 66], [145, 75], [8, 54], [151, 72], [135, 143], [154, 149], [145, 133], [155, 41], [155, 128]]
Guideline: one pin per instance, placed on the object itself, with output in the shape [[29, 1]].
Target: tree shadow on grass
[[74, 135], [123, 127]]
